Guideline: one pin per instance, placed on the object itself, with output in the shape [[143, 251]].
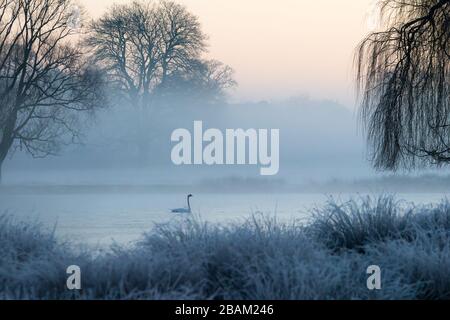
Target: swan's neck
[[189, 203]]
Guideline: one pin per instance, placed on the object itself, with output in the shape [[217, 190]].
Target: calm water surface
[[101, 219]]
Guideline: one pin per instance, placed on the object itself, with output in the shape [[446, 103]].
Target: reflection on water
[[100, 219]]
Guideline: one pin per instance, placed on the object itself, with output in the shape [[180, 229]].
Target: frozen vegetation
[[324, 258]]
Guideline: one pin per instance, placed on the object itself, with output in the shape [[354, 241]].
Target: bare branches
[[146, 46], [44, 81], [204, 82], [403, 76], [141, 44]]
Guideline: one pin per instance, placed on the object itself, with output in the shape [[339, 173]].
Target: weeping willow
[[403, 81]]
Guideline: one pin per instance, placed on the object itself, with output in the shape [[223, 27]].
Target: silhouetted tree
[[145, 46], [44, 81], [403, 75], [204, 83]]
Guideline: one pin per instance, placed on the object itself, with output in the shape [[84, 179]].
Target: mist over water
[[311, 134], [101, 219], [106, 191]]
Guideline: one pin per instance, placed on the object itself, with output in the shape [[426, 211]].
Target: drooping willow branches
[[404, 81]]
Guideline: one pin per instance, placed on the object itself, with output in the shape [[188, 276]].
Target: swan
[[184, 210]]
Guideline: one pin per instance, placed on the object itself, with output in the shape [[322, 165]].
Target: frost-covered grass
[[262, 258]]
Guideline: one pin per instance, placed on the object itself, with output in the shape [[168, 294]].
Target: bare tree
[[214, 78], [204, 83], [142, 45], [44, 81], [403, 75]]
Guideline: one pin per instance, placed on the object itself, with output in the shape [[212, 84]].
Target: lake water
[[101, 219]]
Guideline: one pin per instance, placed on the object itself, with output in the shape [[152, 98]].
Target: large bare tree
[[403, 75], [143, 45], [44, 81]]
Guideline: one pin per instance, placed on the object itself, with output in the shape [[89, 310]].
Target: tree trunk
[[1, 163], [3, 153], [6, 142]]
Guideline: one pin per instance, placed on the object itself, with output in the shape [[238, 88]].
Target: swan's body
[[184, 210]]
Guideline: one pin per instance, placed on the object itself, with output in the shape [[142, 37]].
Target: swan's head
[[190, 196]]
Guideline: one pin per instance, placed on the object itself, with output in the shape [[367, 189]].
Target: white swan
[[184, 210]]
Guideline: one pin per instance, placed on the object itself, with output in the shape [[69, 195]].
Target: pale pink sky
[[282, 48]]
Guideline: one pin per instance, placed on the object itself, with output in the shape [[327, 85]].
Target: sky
[[284, 48]]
